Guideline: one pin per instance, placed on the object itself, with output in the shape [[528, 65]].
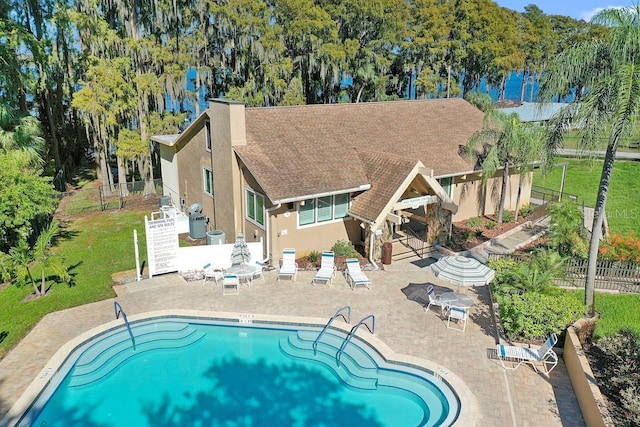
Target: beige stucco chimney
[[227, 131]]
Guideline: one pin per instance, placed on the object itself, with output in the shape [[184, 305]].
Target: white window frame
[[315, 202], [206, 170], [207, 135], [250, 192]]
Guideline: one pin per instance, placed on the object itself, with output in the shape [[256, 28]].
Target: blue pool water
[[194, 372]]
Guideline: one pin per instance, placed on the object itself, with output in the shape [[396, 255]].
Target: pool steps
[[102, 358], [360, 370], [349, 372]]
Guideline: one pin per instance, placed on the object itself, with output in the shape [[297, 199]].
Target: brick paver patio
[[519, 398]]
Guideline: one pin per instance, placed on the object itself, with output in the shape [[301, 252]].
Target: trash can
[[216, 237], [387, 250], [165, 201], [197, 226]]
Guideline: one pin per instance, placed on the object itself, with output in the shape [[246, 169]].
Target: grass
[[583, 179], [629, 144], [94, 247], [617, 311]]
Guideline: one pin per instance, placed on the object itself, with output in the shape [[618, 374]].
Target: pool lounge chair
[[516, 355], [289, 268], [327, 269], [355, 276]]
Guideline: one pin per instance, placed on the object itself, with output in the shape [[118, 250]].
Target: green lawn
[[95, 247], [617, 311], [583, 178]]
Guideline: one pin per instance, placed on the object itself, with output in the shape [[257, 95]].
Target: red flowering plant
[[621, 247]]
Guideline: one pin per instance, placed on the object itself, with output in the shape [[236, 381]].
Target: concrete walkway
[[504, 398], [622, 155]]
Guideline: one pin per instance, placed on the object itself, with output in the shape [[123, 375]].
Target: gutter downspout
[[267, 231]]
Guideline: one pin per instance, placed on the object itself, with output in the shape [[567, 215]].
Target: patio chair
[[211, 273], [289, 268], [460, 315], [327, 269], [230, 284], [435, 301], [260, 268], [517, 355], [355, 276]]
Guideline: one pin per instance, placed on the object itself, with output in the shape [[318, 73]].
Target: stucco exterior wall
[[321, 237], [194, 157], [170, 177], [475, 199]]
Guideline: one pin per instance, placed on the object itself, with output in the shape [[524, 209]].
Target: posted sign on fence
[[162, 245]]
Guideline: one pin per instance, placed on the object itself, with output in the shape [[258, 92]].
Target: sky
[[577, 9]]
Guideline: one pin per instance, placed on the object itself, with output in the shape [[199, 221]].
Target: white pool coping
[[468, 404]]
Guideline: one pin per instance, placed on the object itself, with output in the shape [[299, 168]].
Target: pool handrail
[[353, 332], [336, 314], [118, 311]]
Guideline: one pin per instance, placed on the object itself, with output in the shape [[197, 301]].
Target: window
[[207, 134], [446, 184], [255, 207], [207, 177], [323, 209]]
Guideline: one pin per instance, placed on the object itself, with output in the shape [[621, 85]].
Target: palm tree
[[606, 75], [20, 136], [24, 258], [502, 142]]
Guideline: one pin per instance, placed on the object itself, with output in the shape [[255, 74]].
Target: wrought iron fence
[[610, 275]]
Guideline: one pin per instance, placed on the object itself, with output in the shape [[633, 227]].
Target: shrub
[[618, 373], [621, 247], [313, 257], [534, 315], [491, 225], [526, 210], [565, 232], [474, 222], [505, 276], [345, 249], [507, 216]]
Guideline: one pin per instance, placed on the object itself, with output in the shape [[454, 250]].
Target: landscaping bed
[[471, 232]]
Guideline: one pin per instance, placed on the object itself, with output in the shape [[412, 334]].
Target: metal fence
[[118, 196], [610, 275]]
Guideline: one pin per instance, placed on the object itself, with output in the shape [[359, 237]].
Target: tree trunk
[[122, 177], [596, 230], [503, 191], [515, 215], [523, 85]]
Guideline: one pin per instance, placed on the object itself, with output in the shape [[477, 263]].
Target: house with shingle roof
[[308, 176]]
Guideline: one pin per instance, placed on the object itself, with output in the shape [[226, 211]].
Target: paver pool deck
[[505, 398]]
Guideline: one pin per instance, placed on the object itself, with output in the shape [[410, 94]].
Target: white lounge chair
[[230, 284], [327, 269], [211, 273], [355, 276], [460, 315], [289, 268], [516, 355], [435, 301]]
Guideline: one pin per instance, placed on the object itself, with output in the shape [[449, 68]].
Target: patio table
[[244, 272], [456, 299]]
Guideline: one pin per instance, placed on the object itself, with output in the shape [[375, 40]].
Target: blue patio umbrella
[[240, 254], [462, 271]]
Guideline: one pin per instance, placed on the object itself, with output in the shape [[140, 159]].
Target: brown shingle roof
[[386, 173], [305, 150]]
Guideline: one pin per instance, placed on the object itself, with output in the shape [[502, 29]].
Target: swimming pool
[[193, 370]]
